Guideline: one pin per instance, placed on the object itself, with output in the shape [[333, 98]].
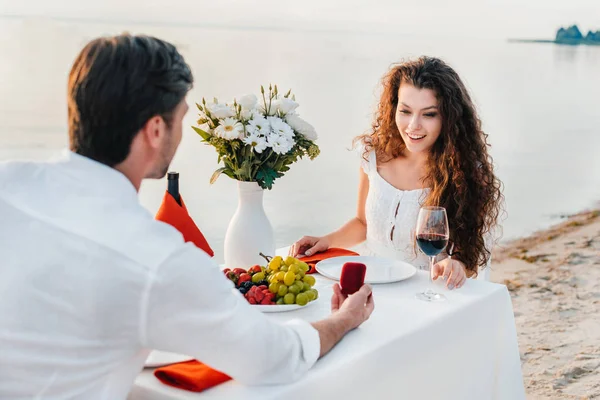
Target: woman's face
[[418, 118]]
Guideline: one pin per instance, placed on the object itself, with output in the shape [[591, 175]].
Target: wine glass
[[432, 237]]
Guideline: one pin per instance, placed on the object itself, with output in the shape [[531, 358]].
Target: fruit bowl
[[282, 284]]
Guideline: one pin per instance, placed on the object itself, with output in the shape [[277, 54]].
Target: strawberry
[[244, 278], [259, 295], [266, 301], [254, 269], [252, 300], [226, 270], [263, 287], [239, 271], [232, 276]]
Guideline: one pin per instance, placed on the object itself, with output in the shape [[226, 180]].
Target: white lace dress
[[391, 216]]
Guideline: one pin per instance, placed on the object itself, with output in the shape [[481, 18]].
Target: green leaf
[[247, 169], [265, 177], [216, 174], [205, 135]]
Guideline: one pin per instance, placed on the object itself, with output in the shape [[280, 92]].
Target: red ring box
[[353, 277]]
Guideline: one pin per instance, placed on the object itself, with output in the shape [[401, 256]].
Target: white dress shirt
[[89, 282]]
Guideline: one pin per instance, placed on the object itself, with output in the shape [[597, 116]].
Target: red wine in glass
[[432, 234], [432, 244]]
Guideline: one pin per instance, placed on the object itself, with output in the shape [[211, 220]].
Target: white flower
[[230, 129], [284, 105], [220, 111], [279, 127], [258, 143], [246, 115], [301, 126], [257, 114], [248, 102], [259, 125], [280, 144]]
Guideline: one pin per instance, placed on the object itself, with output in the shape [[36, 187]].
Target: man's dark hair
[[115, 86]]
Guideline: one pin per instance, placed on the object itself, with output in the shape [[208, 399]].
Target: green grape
[[310, 280], [275, 263], [289, 278], [301, 274], [315, 292], [306, 287], [284, 268], [289, 298], [302, 299], [282, 291], [294, 289], [297, 277], [259, 276], [311, 295], [280, 275], [293, 268], [289, 260], [303, 266], [274, 287], [280, 301]]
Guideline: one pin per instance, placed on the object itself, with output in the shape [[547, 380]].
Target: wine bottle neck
[[173, 187]]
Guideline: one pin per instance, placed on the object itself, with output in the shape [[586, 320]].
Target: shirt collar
[[99, 177]]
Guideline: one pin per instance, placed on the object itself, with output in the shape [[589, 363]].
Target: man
[[90, 281]]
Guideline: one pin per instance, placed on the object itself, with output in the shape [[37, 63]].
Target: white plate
[[379, 270], [283, 308], [161, 358]]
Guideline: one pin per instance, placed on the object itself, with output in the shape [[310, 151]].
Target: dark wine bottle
[[173, 186]]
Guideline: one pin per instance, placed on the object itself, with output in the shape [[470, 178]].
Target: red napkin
[[330, 253], [177, 216], [190, 375]]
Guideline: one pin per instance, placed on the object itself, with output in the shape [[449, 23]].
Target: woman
[[426, 148]]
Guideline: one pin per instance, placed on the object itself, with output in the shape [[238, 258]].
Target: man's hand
[[355, 308], [347, 313]]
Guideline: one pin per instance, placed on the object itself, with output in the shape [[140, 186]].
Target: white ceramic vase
[[250, 232]]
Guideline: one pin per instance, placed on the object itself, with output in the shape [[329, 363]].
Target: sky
[[484, 18]]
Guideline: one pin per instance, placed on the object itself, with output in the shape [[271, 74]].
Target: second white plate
[[379, 270]]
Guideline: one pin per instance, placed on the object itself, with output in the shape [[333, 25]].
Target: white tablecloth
[[464, 348]]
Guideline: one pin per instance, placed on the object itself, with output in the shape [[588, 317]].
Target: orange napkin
[[330, 253], [177, 216], [190, 375]]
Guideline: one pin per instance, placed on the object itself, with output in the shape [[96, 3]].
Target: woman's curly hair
[[460, 172]]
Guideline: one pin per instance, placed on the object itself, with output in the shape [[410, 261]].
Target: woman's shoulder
[[366, 153]]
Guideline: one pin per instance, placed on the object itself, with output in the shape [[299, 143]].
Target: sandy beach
[[554, 280]]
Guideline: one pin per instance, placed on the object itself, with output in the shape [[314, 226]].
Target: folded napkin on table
[[190, 375]]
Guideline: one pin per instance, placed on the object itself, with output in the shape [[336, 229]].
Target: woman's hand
[[309, 245], [453, 271]]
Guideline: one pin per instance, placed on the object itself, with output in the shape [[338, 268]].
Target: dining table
[[464, 348]]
